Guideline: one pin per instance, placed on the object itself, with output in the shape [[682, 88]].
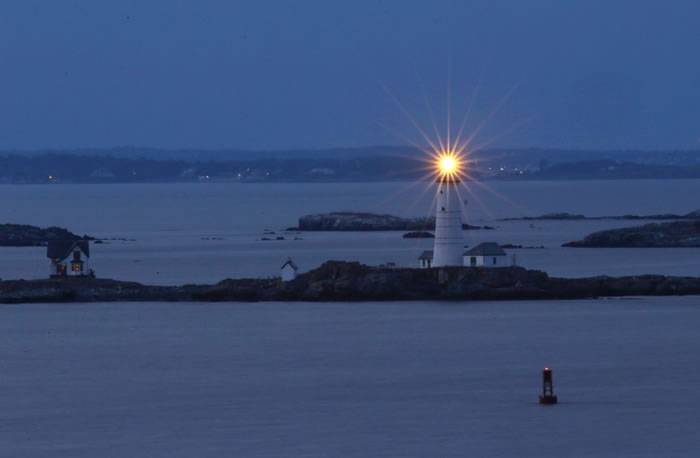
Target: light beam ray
[[448, 103], [429, 107], [470, 106], [410, 118], [490, 116], [512, 128]]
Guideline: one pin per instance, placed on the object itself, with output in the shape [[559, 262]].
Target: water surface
[[408, 379]]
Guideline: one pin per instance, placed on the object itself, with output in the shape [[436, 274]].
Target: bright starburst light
[[449, 164]]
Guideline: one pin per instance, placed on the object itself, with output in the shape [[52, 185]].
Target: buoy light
[[547, 396]]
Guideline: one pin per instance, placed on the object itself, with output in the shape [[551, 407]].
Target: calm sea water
[[207, 232], [409, 379], [414, 379]]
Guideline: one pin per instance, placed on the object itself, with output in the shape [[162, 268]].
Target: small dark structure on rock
[[425, 260]]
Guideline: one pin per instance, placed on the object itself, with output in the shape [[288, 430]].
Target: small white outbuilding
[[488, 254], [288, 271]]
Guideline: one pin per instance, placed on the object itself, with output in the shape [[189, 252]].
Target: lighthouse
[[449, 240]]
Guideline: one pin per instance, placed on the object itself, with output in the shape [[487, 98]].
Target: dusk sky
[[314, 74]]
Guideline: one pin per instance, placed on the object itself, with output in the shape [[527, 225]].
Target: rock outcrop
[[25, 235], [351, 281], [419, 235], [679, 234], [549, 216], [354, 221]]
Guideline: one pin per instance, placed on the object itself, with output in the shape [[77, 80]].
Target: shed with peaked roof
[[288, 271]]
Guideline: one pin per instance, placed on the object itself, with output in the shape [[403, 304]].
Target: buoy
[[547, 396]]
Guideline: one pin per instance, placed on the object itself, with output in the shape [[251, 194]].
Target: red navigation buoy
[[547, 396]]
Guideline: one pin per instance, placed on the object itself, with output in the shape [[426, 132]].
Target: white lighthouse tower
[[449, 239]]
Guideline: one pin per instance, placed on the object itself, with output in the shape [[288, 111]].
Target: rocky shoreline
[[349, 281], [679, 234], [565, 216]]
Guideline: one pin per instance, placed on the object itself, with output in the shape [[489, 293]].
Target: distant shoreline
[[564, 216], [373, 164]]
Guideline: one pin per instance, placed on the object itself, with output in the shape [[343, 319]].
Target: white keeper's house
[[69, 258], [488, 254]]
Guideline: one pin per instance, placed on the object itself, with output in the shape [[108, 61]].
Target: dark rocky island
[[355, 221], [549, 217], [349, 281], [679, 234], [419, 235], [564, 216], [18, 235]]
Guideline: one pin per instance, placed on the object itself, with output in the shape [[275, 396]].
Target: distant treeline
[[611, 170], [72, 168], [63, 168]]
